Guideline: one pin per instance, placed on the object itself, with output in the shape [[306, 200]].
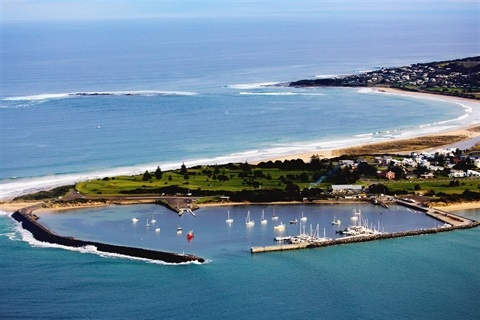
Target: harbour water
[[189, 90], [399, 278]]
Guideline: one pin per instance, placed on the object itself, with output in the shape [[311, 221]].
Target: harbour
[[450, 222]]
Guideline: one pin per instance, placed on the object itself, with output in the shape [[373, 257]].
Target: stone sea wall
[[41, 233]]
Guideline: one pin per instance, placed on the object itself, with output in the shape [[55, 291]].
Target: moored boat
[[263, 221], [248, 222], [279, 227], [303, 218], [336, 221], [228, 220]]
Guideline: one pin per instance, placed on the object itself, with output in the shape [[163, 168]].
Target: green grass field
[[198, 178]]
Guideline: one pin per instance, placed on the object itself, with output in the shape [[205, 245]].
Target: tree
[[158, 173], [146, 176], [183, 169]]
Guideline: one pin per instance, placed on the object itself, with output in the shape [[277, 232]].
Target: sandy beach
[[468, 135], [448, 138]]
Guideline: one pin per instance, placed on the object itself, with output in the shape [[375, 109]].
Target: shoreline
[[469, 133]]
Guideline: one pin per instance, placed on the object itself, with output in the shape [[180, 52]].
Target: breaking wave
[[53, 96], [27, 236], [257, 85], [280, 94]]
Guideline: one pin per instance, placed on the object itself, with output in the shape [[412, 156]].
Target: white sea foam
[[45, 96], [51, 96], [280, 93], [246, 86], [27, 236]]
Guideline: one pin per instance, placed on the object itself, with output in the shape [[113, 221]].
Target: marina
[[359, 232]]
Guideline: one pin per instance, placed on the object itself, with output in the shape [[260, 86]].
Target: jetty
[[450, 222], [41, 233]]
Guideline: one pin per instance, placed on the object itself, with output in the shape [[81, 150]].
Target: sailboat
[[229, 220], [303, 218], [279, 227], [190, 235], [274, 216], [148, 224], [336, 221], [248, 222], [264, 221], [153, 219]]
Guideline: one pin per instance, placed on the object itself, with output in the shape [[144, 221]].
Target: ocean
[[95, 98]]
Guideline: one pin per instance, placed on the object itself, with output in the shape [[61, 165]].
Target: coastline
[[470, 132]]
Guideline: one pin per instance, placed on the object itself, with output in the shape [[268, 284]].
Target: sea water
[[87, 99], [196, 91], [431, 276]]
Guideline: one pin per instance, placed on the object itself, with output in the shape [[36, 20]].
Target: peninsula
[[460, 78]]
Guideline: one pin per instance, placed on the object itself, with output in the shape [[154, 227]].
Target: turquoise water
[[432, 276]]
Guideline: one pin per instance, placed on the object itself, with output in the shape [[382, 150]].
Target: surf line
[[29, 222]]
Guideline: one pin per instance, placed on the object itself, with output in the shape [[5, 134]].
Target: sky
[[31, 10]]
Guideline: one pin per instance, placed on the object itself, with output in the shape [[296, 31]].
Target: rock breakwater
[[41, 233]]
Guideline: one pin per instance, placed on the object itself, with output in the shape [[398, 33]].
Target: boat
[[294, 221], [157, 229], [336, 221], [179, 230], [263, 221], [153, 219], [280, 238], [148, 224], [248, 222], [274, 216], [303, 218], [134, 219], [190, 235], [229, 220], [279, 227]]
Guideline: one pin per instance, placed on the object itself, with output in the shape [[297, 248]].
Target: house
[[457, 174], [428, 175], [472, 173], [346, 188], [346, 163], [387, 174], [476, 162], [411, 175]]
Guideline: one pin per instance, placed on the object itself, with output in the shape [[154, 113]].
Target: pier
[[440, 215], [451, 222], [279, 247]]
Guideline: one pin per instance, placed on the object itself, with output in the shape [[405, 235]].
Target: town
[[455, 78]]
